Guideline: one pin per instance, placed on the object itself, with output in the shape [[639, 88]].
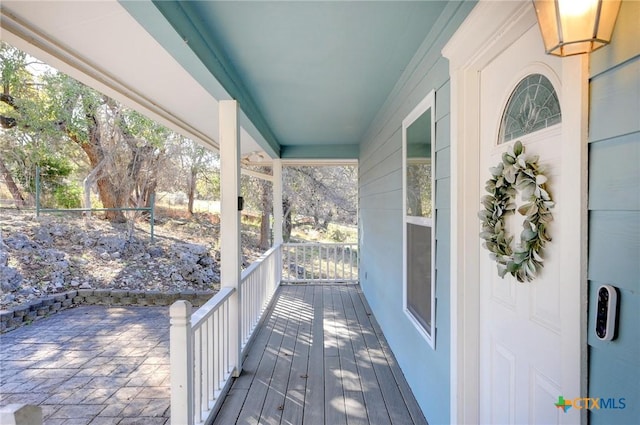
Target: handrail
[[207, 309]]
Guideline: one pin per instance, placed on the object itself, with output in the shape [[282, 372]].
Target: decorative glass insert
[[533, 105]]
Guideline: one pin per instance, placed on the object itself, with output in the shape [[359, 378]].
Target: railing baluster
[[351, 263], [198, 374], [209, 361], [218, 355], [342, 260], [227, 343]]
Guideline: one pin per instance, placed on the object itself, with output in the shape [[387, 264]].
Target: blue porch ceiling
[[311, 76]]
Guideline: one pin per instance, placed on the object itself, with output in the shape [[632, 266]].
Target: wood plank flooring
[[320, 359]]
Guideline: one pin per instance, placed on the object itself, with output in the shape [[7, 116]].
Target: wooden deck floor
[[320, 359]]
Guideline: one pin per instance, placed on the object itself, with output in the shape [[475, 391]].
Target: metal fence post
[[181, 360], [37, 191], [153, 208]]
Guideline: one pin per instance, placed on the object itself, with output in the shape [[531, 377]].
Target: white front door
[[523, 365]]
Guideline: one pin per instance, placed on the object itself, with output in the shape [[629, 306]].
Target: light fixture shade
[[572, 27]]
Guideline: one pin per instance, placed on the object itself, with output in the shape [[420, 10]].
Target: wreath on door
[[516, 173]]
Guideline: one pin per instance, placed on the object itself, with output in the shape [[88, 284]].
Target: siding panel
[[443, 192], [614, 173], [384, 166], [443, 133], [614, 247], [625, 40], [613, 377], [381, 264], [382, 184], [443, 163], [614, 216], [382, 152], [615, 104], [443, 100]]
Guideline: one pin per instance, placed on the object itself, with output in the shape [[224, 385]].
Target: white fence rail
[[206, 345], [319, 262], [259, 283]]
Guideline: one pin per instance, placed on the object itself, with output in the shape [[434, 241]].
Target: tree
[[257, 195], [324, 194], [123, 150], [18, 199], [28, 138], [195, 163], [13, 65], [266, 207]]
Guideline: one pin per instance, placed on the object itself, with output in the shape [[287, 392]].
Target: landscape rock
[[53, 254], [43, 236], [10, 279], [111, 243], [19, 241]]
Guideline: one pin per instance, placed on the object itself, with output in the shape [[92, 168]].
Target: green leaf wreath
[[516, 173]]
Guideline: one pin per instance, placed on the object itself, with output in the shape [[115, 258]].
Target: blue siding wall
[[614, 215], [380, 200]]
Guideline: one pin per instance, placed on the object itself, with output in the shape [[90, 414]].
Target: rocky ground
[[52, 254]]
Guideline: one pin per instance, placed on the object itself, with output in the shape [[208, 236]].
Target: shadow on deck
[[320, 358]]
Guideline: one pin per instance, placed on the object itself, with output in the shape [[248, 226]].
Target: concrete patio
[[91, 365]]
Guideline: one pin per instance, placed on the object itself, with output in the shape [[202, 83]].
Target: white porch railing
[[206, 346], [319, 262], [203, 356], [259, 283]]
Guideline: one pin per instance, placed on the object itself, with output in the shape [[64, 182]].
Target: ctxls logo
[[590, 403]]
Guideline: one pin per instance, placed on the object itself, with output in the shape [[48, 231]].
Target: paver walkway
[[91, 365]]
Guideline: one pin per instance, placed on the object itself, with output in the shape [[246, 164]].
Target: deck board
[[320, 358]]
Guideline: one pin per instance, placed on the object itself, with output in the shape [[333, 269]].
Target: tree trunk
[[192, 189], [288, 225], [266, 213], [109, 194], [18, 199]]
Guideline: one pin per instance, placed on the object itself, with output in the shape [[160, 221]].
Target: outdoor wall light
[[572, 27], [253, 157]]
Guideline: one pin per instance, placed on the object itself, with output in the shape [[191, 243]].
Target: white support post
[[181, 360], [278, 214], [230, 249]]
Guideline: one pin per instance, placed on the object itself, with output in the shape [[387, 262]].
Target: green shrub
[[338, 236], [68, 196]]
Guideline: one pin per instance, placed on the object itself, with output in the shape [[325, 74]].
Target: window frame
[[427, 105]]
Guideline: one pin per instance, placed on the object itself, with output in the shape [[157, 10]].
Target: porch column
[[230, 249], [277, 201]]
